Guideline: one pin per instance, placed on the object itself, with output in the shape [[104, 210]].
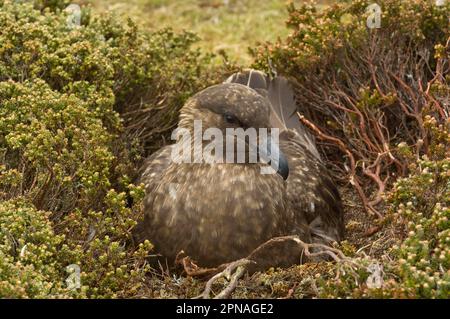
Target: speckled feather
[[217, 213]]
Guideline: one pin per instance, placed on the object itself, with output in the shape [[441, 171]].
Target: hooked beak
[[271, 153]]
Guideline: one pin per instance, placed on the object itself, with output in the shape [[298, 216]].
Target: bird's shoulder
[[154, 167]]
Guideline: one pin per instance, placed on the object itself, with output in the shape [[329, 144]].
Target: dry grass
[[229, 26]]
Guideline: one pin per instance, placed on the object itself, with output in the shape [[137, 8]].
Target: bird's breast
[[217, 212]]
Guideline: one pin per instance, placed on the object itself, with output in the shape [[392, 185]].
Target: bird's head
[[235, 106], [227, 105]]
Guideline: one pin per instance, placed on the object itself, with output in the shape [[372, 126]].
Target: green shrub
[[30, 253], [418, 265], [380, 97], [79, 108], [60, 147]]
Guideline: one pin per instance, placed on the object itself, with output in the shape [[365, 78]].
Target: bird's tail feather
[[282, 99]]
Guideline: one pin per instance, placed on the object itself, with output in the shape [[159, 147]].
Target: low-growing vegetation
[[82, 105], [379, 95], [68, 152]]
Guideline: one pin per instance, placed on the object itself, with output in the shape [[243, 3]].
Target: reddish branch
[[233, 271], [353, 179], [376, 100]]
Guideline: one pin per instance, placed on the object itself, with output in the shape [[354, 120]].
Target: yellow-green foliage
[[319, 36], [30, 253], [65, 172], [422, 207], [418, 266], [57, 146]]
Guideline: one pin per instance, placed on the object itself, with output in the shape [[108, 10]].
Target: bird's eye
[[230, 118]]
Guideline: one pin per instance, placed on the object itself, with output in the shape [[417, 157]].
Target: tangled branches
[[383, 103], [235, 270], [363, 90]]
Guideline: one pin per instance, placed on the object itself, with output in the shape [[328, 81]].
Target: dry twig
[[235, 270]]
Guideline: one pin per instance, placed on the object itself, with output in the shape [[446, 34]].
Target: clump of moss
[[68, 149]]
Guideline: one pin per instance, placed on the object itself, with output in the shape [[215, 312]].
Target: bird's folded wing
[[312, 191]]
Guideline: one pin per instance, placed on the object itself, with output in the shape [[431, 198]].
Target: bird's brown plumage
[[221, 212]]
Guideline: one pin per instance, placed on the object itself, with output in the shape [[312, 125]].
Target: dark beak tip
[[283, 169], [285, 175]]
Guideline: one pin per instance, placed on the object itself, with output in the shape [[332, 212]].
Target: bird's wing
[[282, 100], [311, 191]]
